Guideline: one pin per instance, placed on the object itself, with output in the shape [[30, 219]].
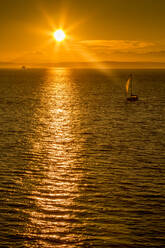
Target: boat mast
[[131, 83]]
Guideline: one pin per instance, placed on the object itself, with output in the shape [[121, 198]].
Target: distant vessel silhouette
[[23, 67], [129, 84]]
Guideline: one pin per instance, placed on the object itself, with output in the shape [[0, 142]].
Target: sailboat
[[132, 97]]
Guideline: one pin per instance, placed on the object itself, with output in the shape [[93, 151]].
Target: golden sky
[[106, 30]]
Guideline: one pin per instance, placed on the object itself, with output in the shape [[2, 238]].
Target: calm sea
[[79, 166]]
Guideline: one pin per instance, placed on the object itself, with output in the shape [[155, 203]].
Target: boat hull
[[132, 98]]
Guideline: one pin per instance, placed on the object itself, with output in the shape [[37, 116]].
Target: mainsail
[[129, 82]]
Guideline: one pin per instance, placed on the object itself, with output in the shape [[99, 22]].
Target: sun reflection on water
[[57, 187]]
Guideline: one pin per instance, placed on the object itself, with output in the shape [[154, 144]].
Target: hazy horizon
[[90, 65]]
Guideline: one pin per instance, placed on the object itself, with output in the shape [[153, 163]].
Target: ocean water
[[79, 166]]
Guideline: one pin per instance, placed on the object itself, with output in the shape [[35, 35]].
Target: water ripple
[[80, 167]]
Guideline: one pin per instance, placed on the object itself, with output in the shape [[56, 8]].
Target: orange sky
[[107, 30]]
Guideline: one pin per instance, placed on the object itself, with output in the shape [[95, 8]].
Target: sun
[[59, 35]]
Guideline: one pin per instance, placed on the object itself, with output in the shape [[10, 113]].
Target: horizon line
[[83, 64]]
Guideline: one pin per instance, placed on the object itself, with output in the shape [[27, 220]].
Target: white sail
[[129, 81]]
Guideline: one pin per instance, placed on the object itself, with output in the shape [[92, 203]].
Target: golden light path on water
[[53, 217]]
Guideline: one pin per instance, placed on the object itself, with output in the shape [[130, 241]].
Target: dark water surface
[[80, 167]]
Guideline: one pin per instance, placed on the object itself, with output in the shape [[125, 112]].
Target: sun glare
[[59, 35]]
